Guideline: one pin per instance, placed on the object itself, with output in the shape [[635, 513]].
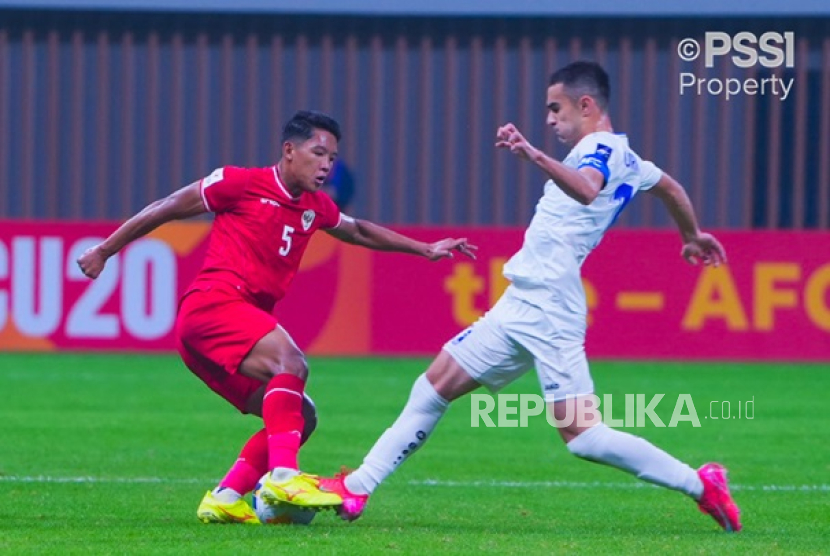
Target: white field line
[[426, 483], [598, 484]]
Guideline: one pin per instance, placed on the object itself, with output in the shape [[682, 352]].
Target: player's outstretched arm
[[184, 203], [581, 185], [373, 236], [697, 246]]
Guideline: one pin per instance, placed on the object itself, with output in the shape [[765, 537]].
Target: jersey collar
[[278, 179]]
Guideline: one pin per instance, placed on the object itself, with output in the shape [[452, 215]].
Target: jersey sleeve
[[650, 174], [329, 212], [594, 154], [223, 188]]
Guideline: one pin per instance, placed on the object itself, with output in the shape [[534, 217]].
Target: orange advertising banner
[[771, 302]]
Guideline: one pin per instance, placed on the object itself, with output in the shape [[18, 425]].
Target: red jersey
[[260, 231]]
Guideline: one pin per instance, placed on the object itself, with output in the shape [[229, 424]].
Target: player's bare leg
[[278, 362], [587, 437], [431, 394]]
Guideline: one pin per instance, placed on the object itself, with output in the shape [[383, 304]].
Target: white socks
[[638, 457], [226, 495], [283, 474], [599, 443], [415, 423]]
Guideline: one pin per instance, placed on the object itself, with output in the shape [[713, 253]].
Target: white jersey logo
[[308, 218], [215, 176]]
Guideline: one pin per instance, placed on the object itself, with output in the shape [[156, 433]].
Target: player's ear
[[585, 103], [288, 150]]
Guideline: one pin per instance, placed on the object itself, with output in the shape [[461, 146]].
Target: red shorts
[[216, 328]]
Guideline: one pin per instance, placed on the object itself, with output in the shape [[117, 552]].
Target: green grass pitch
[[110, 454]]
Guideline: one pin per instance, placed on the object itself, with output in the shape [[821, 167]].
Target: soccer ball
[[280, 513]]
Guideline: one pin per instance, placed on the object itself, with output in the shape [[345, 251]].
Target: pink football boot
[[353, 504], [717, 500]]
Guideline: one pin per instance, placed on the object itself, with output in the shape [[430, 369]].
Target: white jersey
[[563, 231]]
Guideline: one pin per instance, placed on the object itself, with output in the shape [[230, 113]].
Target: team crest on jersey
[[308, 218], [604, 151]]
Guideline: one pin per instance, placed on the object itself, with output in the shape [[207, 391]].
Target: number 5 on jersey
[[286, 240]]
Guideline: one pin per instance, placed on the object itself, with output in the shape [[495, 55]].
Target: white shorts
[[515, 336]]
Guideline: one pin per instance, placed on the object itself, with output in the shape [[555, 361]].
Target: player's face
[[310, 162], [564, 115]]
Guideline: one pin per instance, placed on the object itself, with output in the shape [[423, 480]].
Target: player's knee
[[296, 365], [448, 378], [270, 366]]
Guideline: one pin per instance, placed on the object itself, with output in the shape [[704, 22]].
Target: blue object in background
[[340, 185]]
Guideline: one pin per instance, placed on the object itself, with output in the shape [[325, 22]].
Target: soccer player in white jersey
[[540, 320]]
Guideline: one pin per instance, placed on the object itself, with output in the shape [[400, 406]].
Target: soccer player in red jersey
[[226, 332]]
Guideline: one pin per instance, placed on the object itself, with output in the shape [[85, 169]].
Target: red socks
[[251, 465], [282, 412], [278, 443]]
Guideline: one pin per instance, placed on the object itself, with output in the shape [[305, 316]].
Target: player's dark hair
[[584, 78], [303, 123]]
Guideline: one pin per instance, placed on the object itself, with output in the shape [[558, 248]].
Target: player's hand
[[447, 247], [509, 137], [92, 261], [704, 248]]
